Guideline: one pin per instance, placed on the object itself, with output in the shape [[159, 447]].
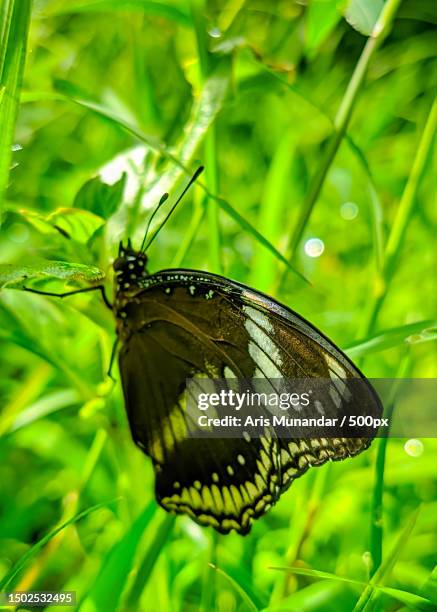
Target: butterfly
[[178, 324]]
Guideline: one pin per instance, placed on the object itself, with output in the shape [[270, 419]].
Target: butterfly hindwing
[[183, 324]]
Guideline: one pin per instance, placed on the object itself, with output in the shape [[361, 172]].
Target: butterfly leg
[[111, 361], [100, 288]]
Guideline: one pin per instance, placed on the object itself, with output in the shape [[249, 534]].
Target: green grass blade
[[405, 210], [429, 589], [399, 594], [250, 229], [8, 579], [161, 9], [6, 8], [319, 575], [376, 209], [209, 592], [189, 236], [403, 217], [108, 586], [239, 588], [198, 11], [61, 270], [341, 121], [376, 517], [12, 56], [204, 112], [411, 600], [387, 565], [155, 548], [211, 169], [414, 333], [52, 402], [362, 15], [269, 217]]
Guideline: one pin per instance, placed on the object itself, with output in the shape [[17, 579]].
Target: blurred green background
[[318, 145]]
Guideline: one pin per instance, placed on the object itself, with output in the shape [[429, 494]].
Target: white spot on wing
[[258, 317], [335, 396], [335, 366], [319, 407], [266, 366], [338, 375]]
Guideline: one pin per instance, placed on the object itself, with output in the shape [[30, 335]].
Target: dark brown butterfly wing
[[186, 324]]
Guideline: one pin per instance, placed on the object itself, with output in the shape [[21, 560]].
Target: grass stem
[[14, 29], [211, 166], [341, 120], [402, 219], [376, 520]]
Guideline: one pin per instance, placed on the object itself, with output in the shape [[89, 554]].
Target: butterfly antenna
[[191, 181], [160, 203]]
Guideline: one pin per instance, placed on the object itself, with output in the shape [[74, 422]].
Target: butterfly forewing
[[183, 324]]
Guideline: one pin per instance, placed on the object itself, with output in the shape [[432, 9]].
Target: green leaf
[[404, 596], [413, 333], [362, 15], [429, 589], [158, 542], [319, 575], [17, 328], [100, 198], [321, 18], [413, 601], [245, 596], [108, 586], [16, 569], [12, 275], [14, 28], [203, 113], [270, 215], [207, 105], [72, 223], [376, 208], [386, 567], [175, 12], [52, 402]]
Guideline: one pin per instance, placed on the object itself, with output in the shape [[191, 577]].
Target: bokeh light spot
[[314, 247], [215, 32], [413, 447], [349, 211]]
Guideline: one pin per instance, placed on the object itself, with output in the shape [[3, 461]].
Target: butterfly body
[[179, 324]]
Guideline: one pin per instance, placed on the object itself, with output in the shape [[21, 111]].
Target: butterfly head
[[130, 267]]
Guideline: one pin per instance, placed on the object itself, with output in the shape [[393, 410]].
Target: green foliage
[[106, 591], [11, 275], [306, 130], [14, 26], [99, 198], [363, 14]]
